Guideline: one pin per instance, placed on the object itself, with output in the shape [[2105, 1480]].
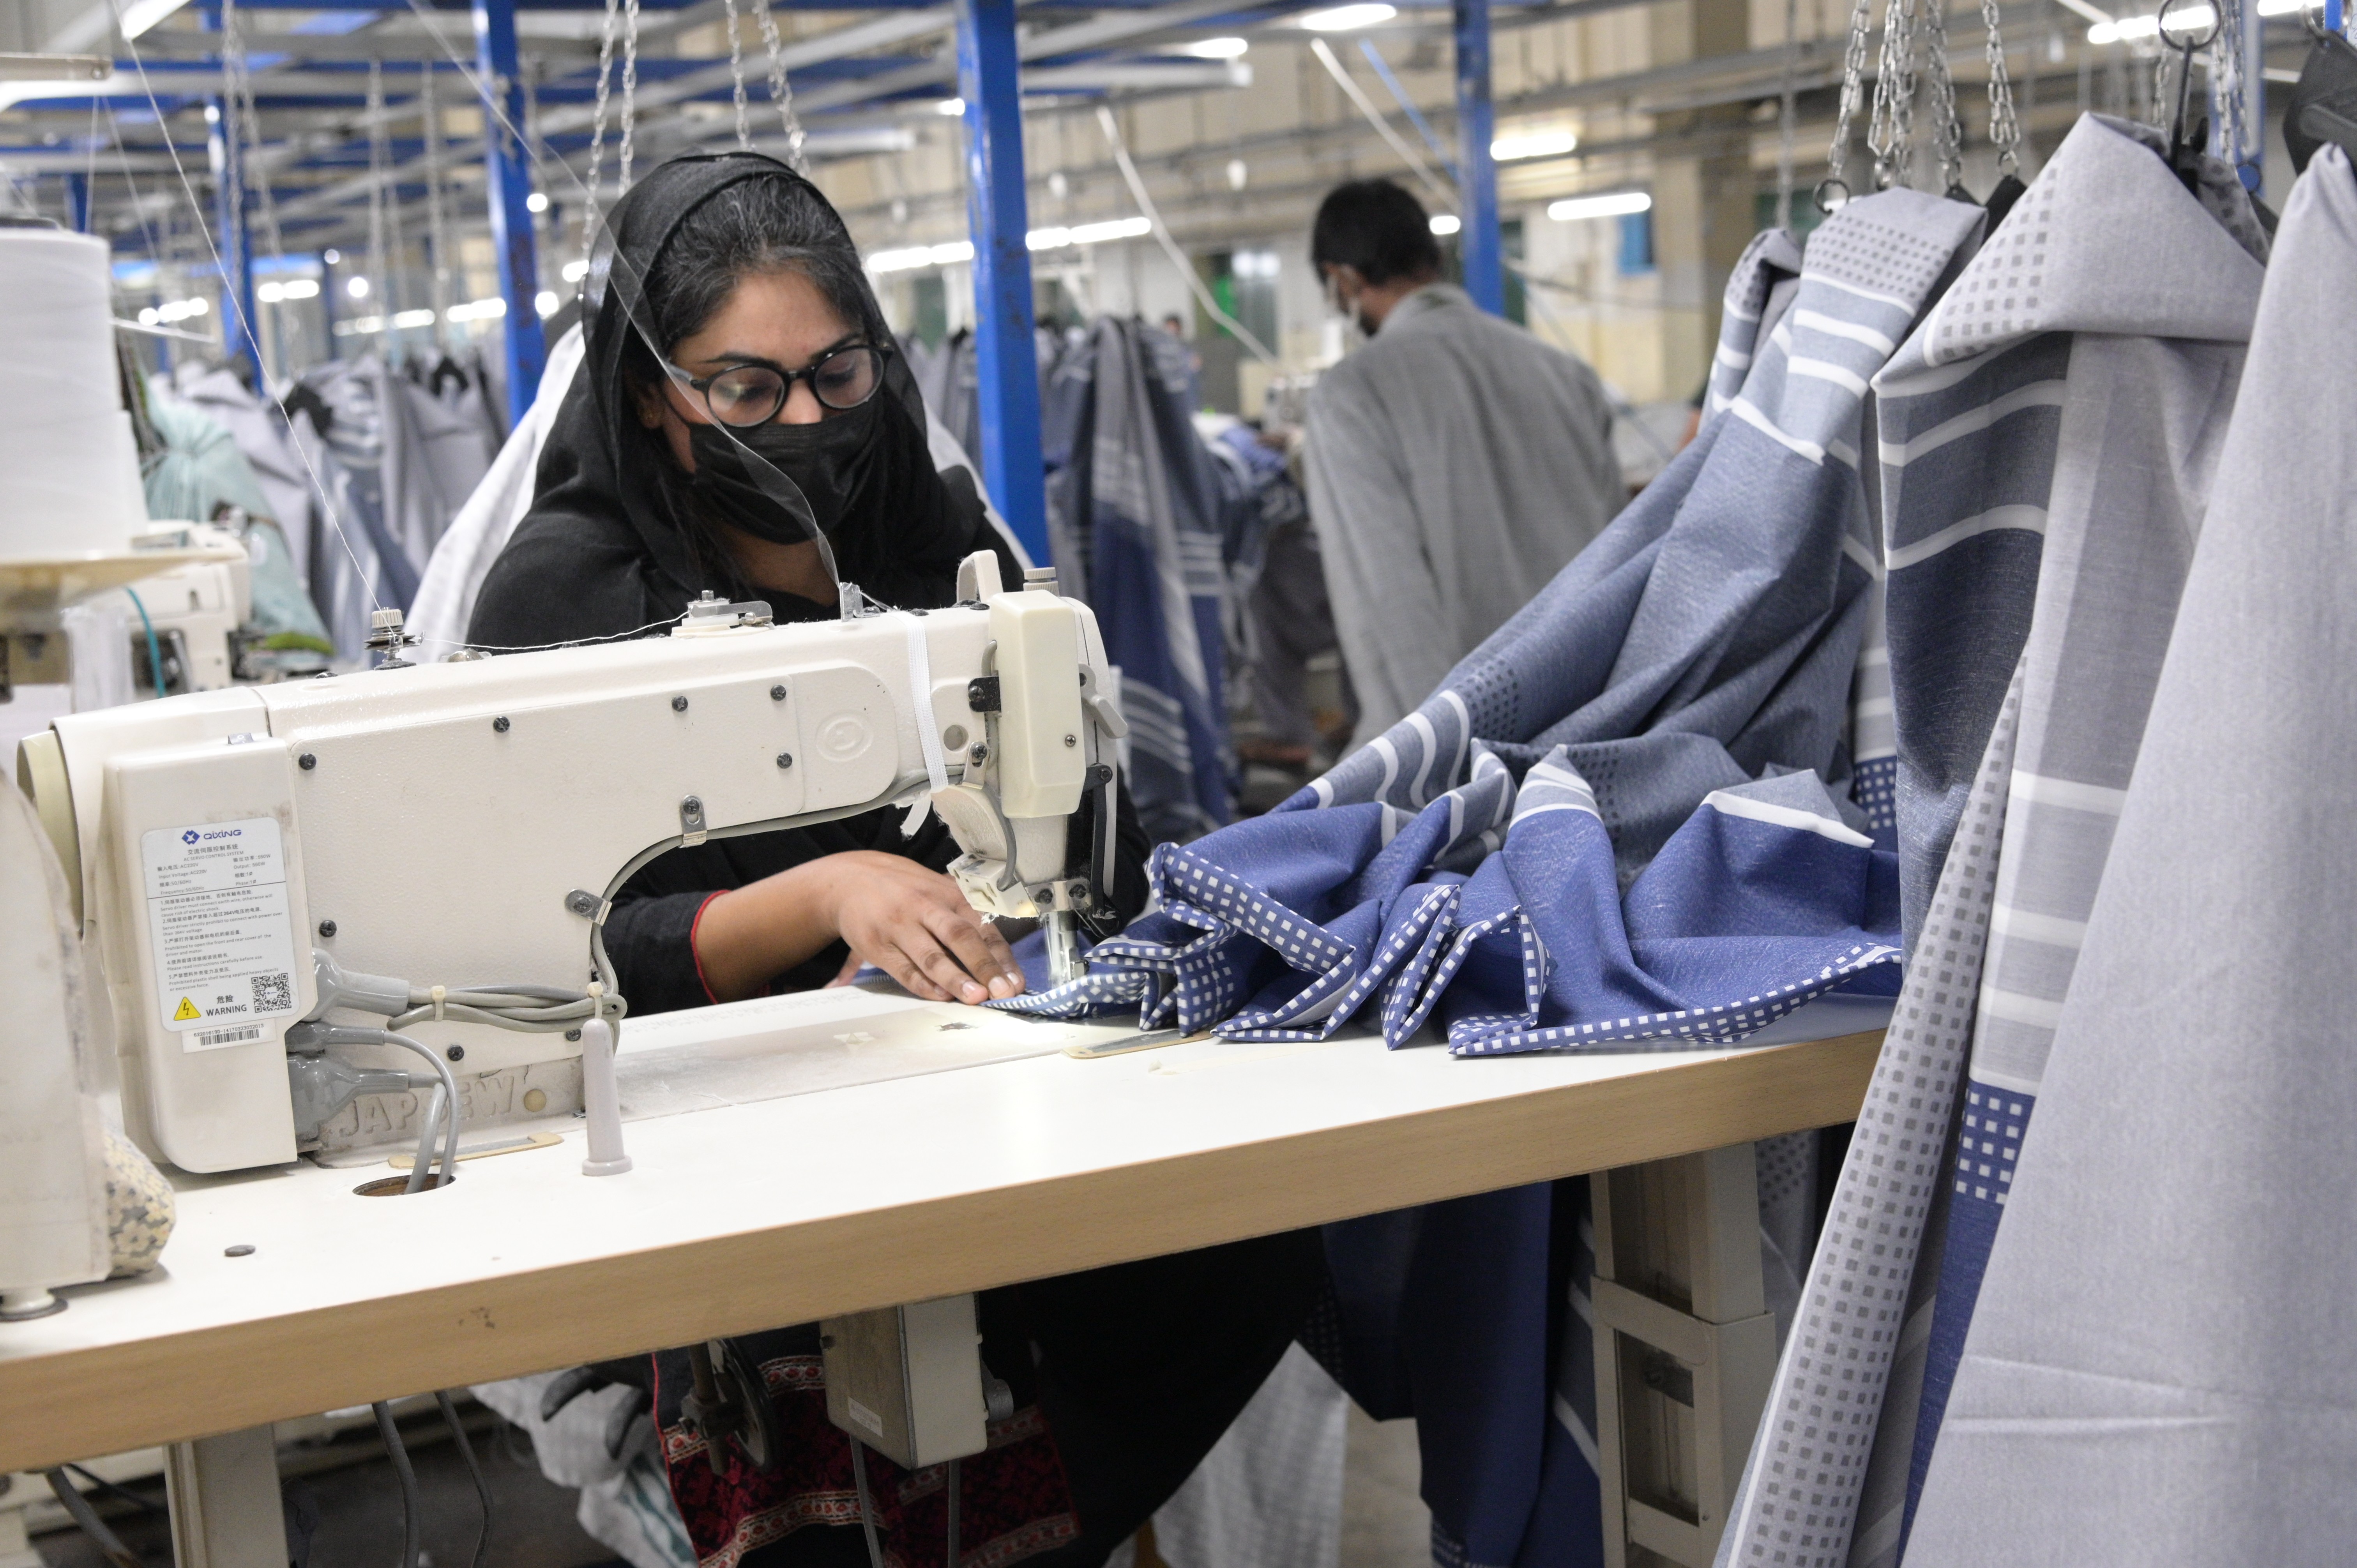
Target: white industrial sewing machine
[[333, 850]]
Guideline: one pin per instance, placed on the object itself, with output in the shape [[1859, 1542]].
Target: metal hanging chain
[[1852, 89], [630, 86], [437, 228], [1787, 115], [2229, 67], [737, 75], [781, 92], [598, 130], [2004, 131], [380, 161], [1891, 130], [1947, 129], [235, 66]]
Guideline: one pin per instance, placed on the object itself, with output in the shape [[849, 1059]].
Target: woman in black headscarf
[[741, 417], [741, 424]]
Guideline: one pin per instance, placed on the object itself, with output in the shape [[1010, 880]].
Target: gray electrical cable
[[951, 1481], [313, 1035], [866, 1504], [108, 1543], [474, 1468], [411, 1508]]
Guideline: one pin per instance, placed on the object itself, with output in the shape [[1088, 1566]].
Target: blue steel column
[[241, 328], [77, 201], [1477, 242], [508, 176], [1012, 470]]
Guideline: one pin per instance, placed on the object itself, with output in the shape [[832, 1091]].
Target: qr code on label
[[272, 992]]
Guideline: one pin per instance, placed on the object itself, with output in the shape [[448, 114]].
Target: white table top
[[746, 1216]]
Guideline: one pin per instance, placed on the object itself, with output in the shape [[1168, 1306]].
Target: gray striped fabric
[[2158, 1373], [2048, 437]]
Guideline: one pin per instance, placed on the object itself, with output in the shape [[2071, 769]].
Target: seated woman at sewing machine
[[739, 272], [645, 498]]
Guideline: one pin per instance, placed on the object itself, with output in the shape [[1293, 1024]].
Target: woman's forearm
[[745, 937]]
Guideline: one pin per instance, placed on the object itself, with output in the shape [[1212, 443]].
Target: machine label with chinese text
[[224, 940]]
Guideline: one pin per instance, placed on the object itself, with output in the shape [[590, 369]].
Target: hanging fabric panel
[[2047, 439], [2158, 1372], [1135, 519]]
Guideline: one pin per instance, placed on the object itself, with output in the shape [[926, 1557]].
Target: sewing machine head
[[463, 825]]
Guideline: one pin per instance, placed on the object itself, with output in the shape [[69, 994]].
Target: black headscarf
[[613, 543]]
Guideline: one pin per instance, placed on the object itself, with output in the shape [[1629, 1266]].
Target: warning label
[[224, 940]]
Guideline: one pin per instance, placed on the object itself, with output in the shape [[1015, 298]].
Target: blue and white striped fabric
[[1710, 638], [2049, 436], [2158, 1372], [1137, 517]]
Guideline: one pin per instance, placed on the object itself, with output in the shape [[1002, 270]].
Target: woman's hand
[[910, 922], [915, 926]]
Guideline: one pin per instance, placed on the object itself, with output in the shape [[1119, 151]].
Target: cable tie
[[439, 993]]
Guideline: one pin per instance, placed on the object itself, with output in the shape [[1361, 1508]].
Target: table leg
[[16, 1546], [1685, 1348], [225, 1507]]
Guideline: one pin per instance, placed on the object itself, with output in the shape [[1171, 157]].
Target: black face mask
[[830, 462]]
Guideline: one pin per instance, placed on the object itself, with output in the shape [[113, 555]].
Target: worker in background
[[1454, 462], [751, 309]]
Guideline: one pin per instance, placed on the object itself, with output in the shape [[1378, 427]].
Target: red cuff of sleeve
[[695, 952]]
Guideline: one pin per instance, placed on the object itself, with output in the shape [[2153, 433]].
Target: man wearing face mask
[[1454, 462]]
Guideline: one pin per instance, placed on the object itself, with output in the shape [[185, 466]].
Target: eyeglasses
[[745, 395]]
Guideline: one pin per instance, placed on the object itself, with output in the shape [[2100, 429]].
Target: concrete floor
[[350, 1516]]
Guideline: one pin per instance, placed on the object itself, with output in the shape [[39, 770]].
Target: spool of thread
[[69, 467]]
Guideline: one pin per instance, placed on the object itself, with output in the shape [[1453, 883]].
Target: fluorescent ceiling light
[[490, 309], [536, 202], [546, 302], [947, 107], [1613, 204], [293, 288], [1533, 144], [1445, 223], [1217, 48], [141, 15], [412, 319], [917, 256], [574, 270], [1346, 18], [2191, 19], [357, 287]]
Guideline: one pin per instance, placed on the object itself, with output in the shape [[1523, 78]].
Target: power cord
[[105, 1539], [474, 1469], [866, 1503], [411, 1508]]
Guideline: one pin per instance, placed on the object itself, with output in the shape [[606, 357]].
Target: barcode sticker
[[222, 933]]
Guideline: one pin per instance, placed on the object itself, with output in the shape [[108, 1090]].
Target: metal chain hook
[[1787, 115], [737, 75], [2004, 129], [597, 129], [1890, 128], [1947, 129], [781, 92], [629, 87], [1852, 89]]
